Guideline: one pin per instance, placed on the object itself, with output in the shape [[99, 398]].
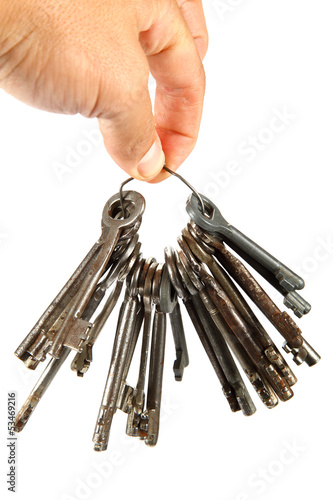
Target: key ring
[[195, 192]]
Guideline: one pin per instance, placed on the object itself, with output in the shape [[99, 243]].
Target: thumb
[[129, 129]]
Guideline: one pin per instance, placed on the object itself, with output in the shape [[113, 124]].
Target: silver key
[[154, 393], [124, 337], [74, 329], [119, 272], [39, 390], [138, 401]]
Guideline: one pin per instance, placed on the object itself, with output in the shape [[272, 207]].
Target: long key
[[43, 383], [202, 300], [124, 334], [134, 417], [238, 326], [36, 341], [154, 392], [279, 275], [126, 392], [184, 294], [74, 329], [238, 300]]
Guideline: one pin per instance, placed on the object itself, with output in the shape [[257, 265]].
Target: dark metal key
[[279, 275], [216, 337], [184, 294], [239, 301], [237, 325]]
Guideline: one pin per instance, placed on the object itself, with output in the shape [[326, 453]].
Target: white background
[[264, 57]]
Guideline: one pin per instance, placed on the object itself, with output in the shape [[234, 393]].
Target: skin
[[94, 58]]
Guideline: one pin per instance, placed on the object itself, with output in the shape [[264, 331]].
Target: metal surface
[[168, 304], [207, 278], [237, 270], [240, 303], [279, 275], [39, 390], [217, 337], [122, 345], [237, 325], [138, 400], [74, 329], [122, 268]]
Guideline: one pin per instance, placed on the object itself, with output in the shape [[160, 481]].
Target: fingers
[[127, 122], [94, 59], [175, 63], [194, 16]]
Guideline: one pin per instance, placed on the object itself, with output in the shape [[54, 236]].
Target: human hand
[[94, 58]]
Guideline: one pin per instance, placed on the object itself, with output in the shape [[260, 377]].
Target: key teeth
[[179, 366], [297, 304], [244, 400], [265, 395], [279, 384], [289, 280], [102, 428], [282, 367], [304, 353], [232, 401], [25, 413]]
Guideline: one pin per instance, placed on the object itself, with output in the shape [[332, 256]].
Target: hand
[[94, 58]]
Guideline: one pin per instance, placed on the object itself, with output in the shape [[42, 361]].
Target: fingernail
[[152, 162]]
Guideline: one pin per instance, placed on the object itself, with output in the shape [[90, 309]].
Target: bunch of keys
[[208, 278]]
